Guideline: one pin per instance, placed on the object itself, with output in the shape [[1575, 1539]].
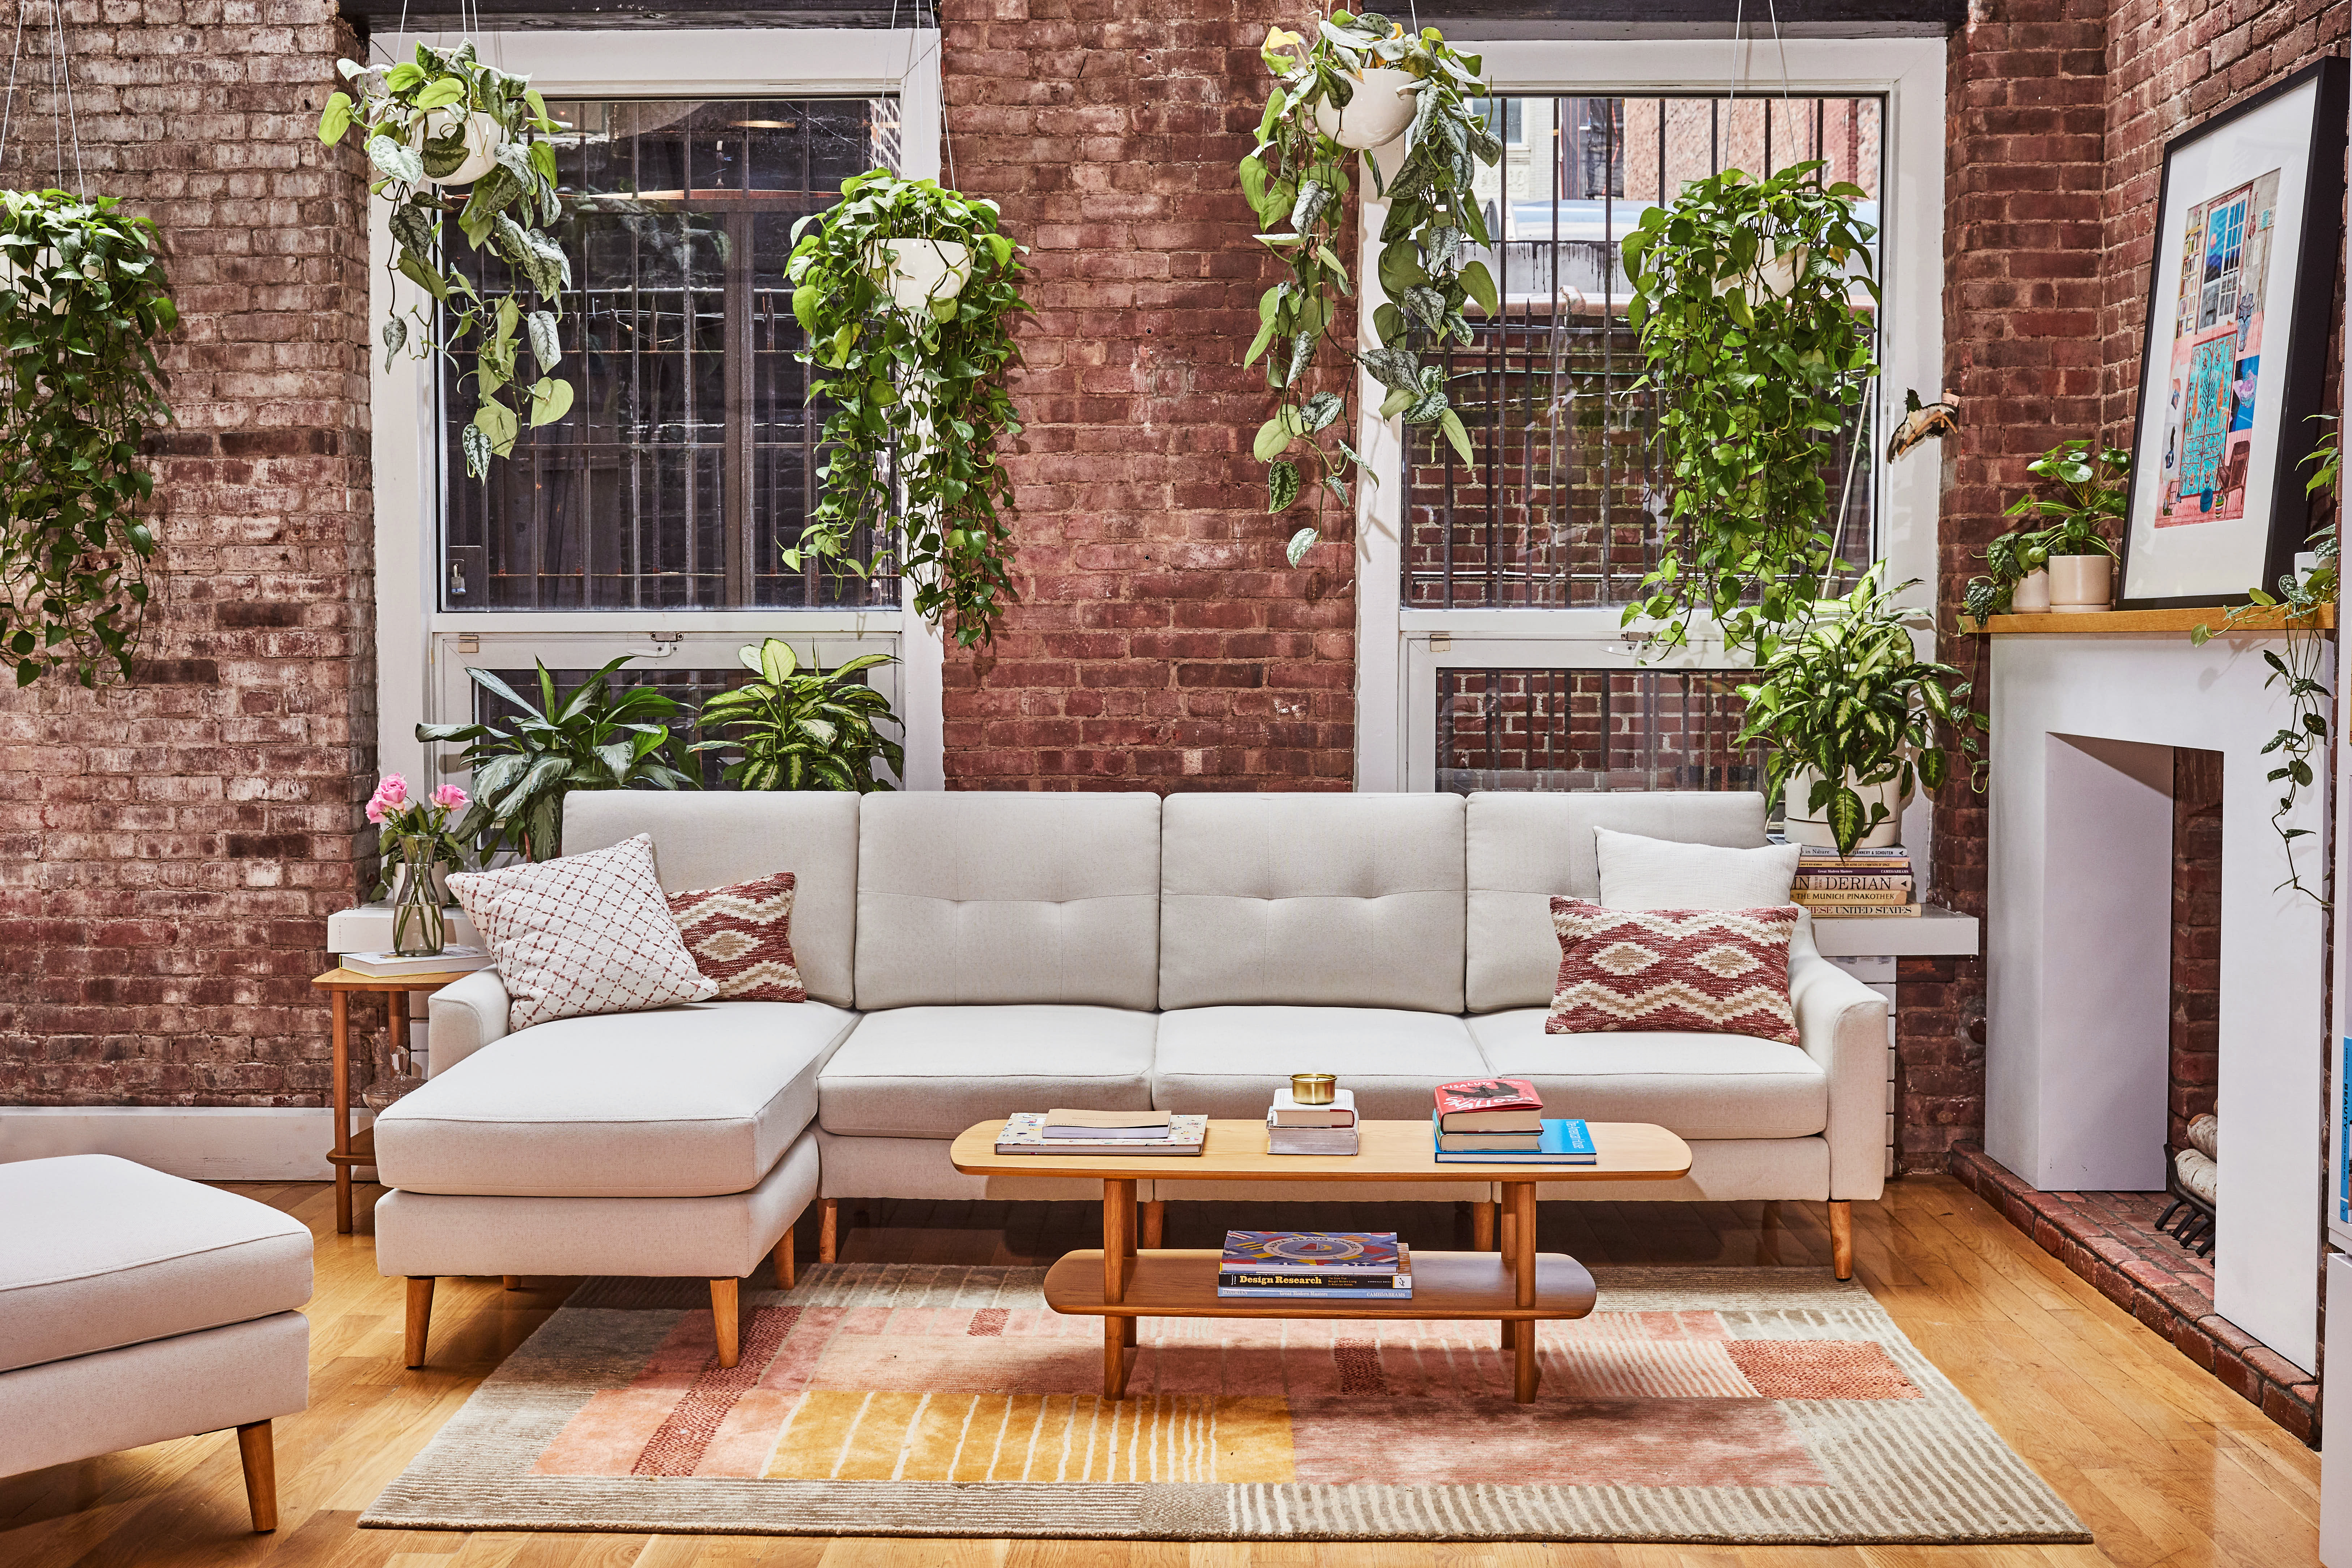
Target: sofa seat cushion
[[97, 1252], [1696, 1086], [930, 1072], [1228, 1061], [678, 1102]]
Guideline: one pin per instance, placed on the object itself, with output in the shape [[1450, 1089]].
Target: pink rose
[[375, 812], [392, 791], [449, 797]]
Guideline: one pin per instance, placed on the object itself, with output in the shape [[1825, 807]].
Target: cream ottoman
[[136, 1307]]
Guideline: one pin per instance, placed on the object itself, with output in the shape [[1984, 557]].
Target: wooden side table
[[339, 983]]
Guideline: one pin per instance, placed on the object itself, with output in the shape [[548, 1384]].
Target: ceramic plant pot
[[2081, 584], [919, 273], [483, 139], [2031, 595], [1376, 115], [1804, 827]]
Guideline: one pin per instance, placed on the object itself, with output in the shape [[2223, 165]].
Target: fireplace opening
[[2192, 1147]]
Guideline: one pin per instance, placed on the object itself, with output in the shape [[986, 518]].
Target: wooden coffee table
[[1516, 1285]]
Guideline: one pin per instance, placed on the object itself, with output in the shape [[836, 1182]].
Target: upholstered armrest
[[1841, 1024], [465, 1014]]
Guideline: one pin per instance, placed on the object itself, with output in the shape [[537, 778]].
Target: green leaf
[[335, 119], [497, 421], [1300, 543], [441, 94], [1281, 485], [395, 160], [1450, 423], [1272, 438], [1481, 287], [551, 400]]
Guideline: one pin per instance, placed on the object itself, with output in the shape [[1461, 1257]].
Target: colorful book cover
[[1566, 1141], [1312, 1251], [1833, 882], [1253, 1292], [1266, 1278], [1487, 1094]]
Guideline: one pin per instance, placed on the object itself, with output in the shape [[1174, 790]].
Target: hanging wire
[[13, 55], [1739, 17], [65, 123], [64, 76]]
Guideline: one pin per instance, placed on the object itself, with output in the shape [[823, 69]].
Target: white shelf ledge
[[1933, 933]]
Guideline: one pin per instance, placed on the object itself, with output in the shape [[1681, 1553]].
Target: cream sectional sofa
[[971, 955]]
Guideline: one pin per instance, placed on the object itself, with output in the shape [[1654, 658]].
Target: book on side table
[[1096, 1133], [1314, 1265], [1294, 1128], [451, 960], [1563, 1142]]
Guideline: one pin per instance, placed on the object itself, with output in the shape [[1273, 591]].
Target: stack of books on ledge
[[1326, 1265], [1100, 1133], [1500, 1120], [1869, 884], [454, 959], [1294, 1128]]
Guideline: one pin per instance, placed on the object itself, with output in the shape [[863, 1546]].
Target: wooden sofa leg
[[1842, 1237], [260, 1461], [828, 1232], [513, 1281], [420, 1317], [781, 1261], [1155, 1223], [722, 1318]]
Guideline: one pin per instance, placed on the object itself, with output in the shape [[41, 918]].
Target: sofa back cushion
[[1525, 848], [712, 839], [1313, 900], [968, 898]]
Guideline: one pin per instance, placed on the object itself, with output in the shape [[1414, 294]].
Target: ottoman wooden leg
[[1842, 1237], [420, 1317], [260, 1462], [723, 1315], [513, 1281], [781, 1261], [828, 1231]]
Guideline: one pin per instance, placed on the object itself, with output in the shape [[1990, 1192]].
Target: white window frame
[[1398, 650], [422, 650]]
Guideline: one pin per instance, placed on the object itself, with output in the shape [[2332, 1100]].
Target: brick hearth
[[2111, 1240]]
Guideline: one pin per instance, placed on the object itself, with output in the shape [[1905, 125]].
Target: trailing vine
[[443, 118], [1296, 179], [918, 393], [82, 303], [1757, 361]]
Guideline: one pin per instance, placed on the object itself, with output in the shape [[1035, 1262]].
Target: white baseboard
[[206, 1143]]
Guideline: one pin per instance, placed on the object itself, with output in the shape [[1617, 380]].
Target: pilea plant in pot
[[1360, 84], [82, 303], [430, 125], [1758, 357], [908, 294], [1856, 718], [795, 729], [2067, 565]]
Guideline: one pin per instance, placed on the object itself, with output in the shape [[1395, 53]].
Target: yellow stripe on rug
[[843, 1435]]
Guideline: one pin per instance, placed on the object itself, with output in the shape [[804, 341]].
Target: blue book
[[1566, 1142]]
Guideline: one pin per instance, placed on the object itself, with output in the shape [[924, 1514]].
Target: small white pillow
[[1638, 873], [587, 933]]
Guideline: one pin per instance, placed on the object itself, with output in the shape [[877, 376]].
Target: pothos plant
[[916, 393], [1758, 358], [442, 120], [82, 303], [1296, 181], [2301, 594], [2089, 499], [1849, 699]]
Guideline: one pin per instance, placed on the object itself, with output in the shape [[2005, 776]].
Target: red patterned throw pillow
[[742, 936], [1704, 972]]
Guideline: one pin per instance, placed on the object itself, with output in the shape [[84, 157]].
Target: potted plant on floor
[[1856, 720], [795, 729]]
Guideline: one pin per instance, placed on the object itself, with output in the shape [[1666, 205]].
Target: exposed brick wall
[[1160, 641], [2196, 1040], [168, 850]]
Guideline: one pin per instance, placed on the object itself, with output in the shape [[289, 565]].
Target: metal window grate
[[1592, 730], [688, 462], [1551, 509]]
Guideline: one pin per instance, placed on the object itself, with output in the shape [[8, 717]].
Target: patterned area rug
[[1695, 1405]]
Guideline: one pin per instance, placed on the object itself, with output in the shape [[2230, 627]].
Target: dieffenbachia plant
[[82, 303], [1297, 182], [425, 122]]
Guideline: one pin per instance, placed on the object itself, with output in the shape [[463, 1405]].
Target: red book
[[1490, 1105]]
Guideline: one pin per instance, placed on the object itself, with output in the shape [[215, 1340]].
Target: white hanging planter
[[1804, 827], [1376, 115], [2081, 584], [1775, 279], [919, 273], [2031, 595], [484, 137]]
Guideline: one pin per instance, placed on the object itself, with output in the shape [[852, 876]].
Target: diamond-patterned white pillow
[[587, 933]]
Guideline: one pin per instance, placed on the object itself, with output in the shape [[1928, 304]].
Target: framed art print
[[2248, 221]]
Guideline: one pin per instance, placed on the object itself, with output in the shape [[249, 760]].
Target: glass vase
[[418, 929]]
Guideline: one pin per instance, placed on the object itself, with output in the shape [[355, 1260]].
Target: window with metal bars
[[1557, 507], [688, 463], [1592, 730]]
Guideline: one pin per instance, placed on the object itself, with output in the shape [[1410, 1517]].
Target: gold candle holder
[[1313, 1087]]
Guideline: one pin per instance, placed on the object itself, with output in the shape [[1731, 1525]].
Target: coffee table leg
[[1519, 1204], [1119, 1254]]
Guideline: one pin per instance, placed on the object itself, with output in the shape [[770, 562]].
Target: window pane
[[1554, 510], [1592, 730], [687, 462]]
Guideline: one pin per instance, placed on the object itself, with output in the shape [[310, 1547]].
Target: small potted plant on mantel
[[2067, 567]]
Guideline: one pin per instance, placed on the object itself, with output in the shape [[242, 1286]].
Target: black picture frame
[[2160, 436]]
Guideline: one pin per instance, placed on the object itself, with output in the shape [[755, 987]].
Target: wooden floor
[[2165, 1465]]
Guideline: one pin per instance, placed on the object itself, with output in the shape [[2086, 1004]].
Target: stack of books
[[1325, 1265], [1500, 1120], [1294, 1128], [453, 959], [1867, 884], [1100, 1133]]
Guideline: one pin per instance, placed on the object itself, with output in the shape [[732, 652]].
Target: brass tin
[[1313, 1087]]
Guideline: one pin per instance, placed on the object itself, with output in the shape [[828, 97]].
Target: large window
[[688, 463]]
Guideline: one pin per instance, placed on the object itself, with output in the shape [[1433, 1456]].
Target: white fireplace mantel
[[2078, 947]]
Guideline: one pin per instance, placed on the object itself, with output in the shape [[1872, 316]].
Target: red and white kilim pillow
[[742, 936], [1704, 972], [587, 933]]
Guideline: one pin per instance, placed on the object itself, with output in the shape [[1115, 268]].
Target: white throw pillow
[[587, 933], [1638, 873]]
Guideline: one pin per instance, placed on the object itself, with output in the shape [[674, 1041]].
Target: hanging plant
[[443, 121], [1757, 359], [82, 303], [908, 295], [1361, 83]]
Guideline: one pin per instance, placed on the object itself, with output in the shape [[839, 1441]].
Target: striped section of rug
[[1740, 1405]]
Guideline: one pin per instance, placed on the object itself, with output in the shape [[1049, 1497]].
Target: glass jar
[[418, 927]]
